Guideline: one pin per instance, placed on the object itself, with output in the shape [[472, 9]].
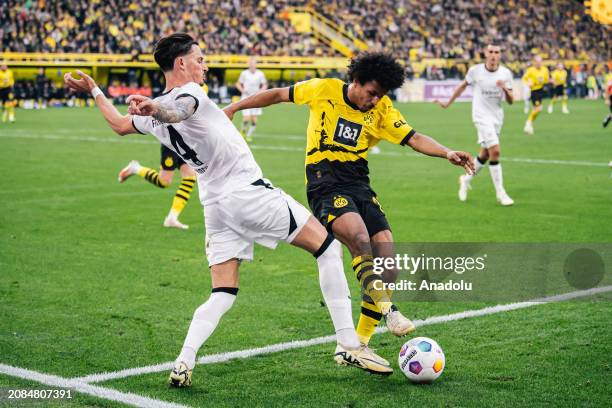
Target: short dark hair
[[376, 66], [169, 48]]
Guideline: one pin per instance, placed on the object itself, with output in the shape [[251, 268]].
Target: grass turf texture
[[91, 282]]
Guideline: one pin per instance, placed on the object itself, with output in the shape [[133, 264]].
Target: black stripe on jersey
[[184, 95], [346, 98], [405, 140], [135, 128], [291, 93]]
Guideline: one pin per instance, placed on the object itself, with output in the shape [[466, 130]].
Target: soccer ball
[[422, 360]]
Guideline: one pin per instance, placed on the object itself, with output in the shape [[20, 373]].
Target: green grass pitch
[[91, 282]]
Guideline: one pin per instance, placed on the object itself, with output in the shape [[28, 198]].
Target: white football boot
[[172, 221], [363, 358], [464, 186], [504, 199], [128, 171], [550, 109], [528, 128], [398, 324], [180, 376]]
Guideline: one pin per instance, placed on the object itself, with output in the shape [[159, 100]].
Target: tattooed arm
[[168, 112]]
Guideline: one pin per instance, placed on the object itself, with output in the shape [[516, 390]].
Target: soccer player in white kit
[[492, 84], [240, 206], [249, 83]]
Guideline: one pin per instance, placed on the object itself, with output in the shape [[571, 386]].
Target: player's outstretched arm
[[259, 100], [458, 91], [121, 124], [429, 146], [168, 112]]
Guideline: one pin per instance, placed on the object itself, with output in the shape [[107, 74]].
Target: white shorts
[[488, 134], [252, 112], [260, 214]]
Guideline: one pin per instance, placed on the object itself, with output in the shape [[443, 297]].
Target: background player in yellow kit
[[7, 96], [559, 81], [536, 77]]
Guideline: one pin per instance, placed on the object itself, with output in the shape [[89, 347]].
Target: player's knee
[[359, 244]]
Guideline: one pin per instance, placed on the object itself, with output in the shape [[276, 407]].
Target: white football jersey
[[251, 81], [488, 97], [207, 141]]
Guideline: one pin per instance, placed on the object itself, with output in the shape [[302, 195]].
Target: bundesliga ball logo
[[421, 360]]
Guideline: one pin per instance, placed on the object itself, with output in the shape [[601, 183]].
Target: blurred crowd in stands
[[413, 29], [434, 28]]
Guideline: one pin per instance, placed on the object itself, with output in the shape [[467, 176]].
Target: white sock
[[205, 320], [496, 176], [477, 167], [251, 130], [336, 294]]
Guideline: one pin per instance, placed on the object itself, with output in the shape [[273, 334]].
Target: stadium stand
[[430, 29]]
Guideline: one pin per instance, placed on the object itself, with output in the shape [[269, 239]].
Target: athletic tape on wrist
[[96, 91]]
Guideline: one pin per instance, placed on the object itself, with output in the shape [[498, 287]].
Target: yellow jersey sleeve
[[394, 127], [303, 93]]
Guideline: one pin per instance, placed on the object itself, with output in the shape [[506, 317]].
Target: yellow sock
[[364, 271], [11, 113], [5, 114], [533, 115], [182, 195], [151, 176], [368, 320], [564, 102]]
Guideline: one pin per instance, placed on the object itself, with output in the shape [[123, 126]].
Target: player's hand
[[141, 105], [462, 159], [85, 84], [442, 104], [229, 111], [500, 84]]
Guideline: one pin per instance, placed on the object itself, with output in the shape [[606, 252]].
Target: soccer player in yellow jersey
[[558, 81], [7, 97], [536, 77], [346, 119]]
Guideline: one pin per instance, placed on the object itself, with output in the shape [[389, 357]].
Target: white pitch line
[[84, 388], [133, 140], [274, 348]]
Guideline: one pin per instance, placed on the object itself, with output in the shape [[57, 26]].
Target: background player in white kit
[[249, 83], [240, 207], [492, 84]]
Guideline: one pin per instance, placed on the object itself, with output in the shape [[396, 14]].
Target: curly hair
[[376, 66], [171, 47]]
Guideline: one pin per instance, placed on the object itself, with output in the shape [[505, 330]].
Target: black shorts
[[329, 205], [6, 94], [537, 96], [169, 159], [559, 90]]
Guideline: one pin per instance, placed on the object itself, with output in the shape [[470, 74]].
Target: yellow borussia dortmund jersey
[[6, 79], [559, 76], [339, 134], [539, 77]]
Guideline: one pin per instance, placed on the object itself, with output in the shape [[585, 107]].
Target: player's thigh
[[222, 242], [187, 171], [487, 135], [350, 229], [264, 214], [311, 236], [166, 176], [225, 274]]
